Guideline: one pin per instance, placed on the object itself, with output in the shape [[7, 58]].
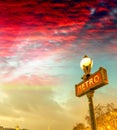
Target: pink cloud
[[38, 31]]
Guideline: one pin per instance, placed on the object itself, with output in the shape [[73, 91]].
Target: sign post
[[96, 80], [90, 83]]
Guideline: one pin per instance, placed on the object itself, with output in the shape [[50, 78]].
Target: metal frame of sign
[[95, 81]]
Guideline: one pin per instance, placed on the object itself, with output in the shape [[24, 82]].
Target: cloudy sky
[[41, 46]]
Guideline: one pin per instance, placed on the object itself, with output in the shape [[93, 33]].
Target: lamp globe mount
[[86, 65]]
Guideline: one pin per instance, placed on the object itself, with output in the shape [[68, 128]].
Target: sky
[[41, 46]]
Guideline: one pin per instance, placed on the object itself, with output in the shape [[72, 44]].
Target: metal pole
[[91, 110]]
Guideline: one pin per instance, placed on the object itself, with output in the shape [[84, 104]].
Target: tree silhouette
[[106, 118], [79, 126]]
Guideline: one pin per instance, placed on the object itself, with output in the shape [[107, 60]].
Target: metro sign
[[96, 80]]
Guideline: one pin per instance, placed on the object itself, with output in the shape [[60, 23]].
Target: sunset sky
[[41, 46]]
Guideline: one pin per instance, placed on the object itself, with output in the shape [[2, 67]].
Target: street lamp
[[90, 83], [86, 65]]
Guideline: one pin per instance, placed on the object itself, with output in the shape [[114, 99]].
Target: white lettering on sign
[[89, 83], [96, 80]]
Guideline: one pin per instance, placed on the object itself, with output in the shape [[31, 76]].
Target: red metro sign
[[96, 80]]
